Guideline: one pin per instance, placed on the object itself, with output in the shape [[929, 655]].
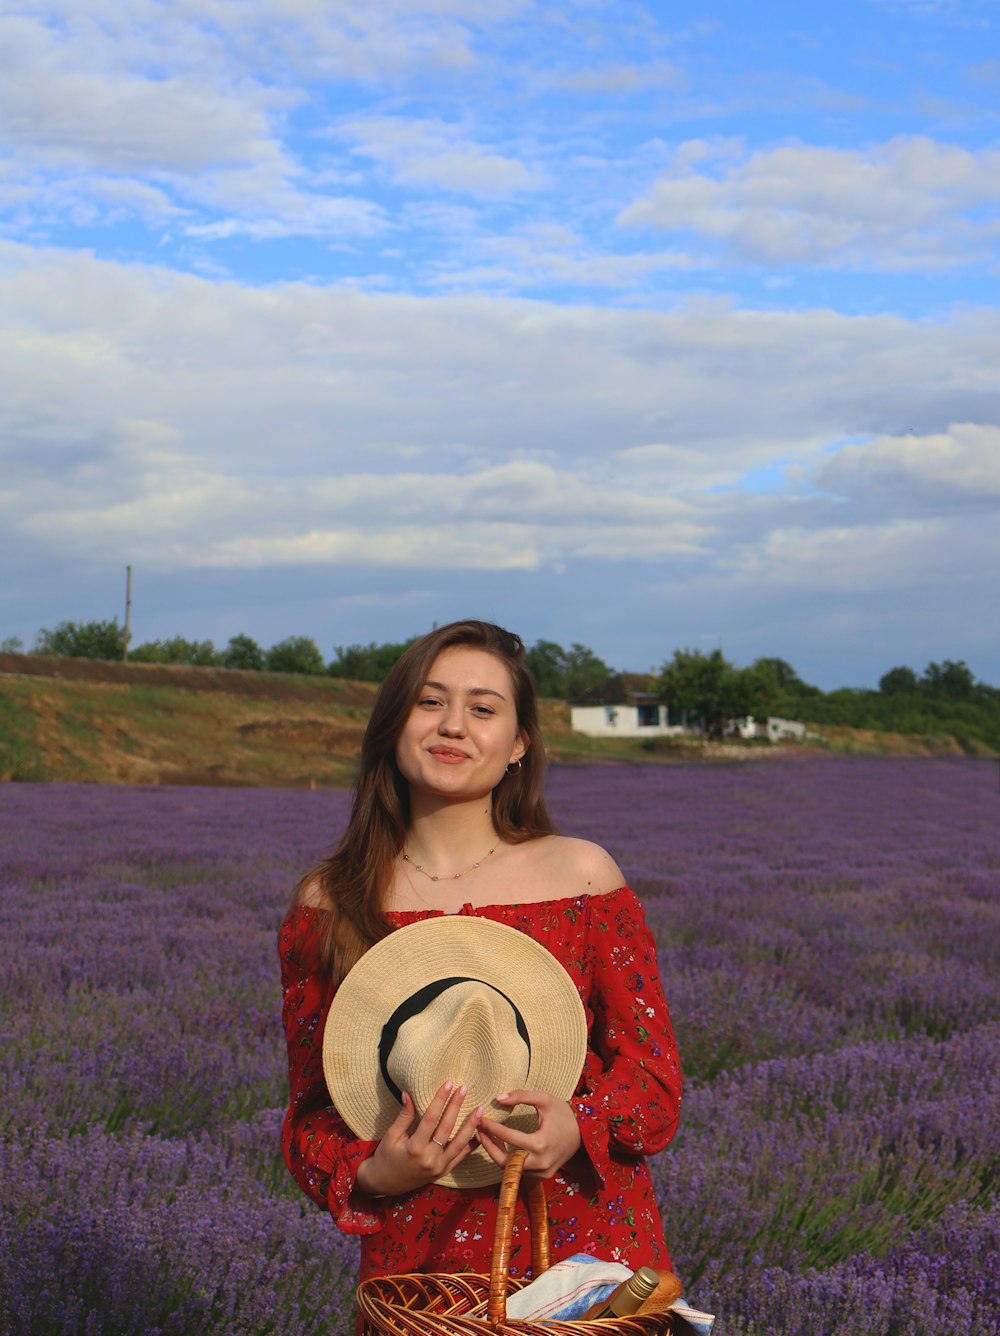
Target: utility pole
[[128, 611]]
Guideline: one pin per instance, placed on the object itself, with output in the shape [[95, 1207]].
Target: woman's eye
[[482, 709], [428, 700]]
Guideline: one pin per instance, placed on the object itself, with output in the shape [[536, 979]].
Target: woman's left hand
[[553, 1142]]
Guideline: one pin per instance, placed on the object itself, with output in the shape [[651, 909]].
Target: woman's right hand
[[416, 1150]]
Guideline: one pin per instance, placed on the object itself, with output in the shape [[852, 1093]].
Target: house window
[[649, 715], [611, 716]]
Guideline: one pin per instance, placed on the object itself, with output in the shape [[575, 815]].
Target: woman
[[449, 818]]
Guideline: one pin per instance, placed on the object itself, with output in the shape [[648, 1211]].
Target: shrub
[[83, 640], [296, 654]]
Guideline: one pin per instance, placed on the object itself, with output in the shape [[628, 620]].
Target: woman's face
[[462, 732]]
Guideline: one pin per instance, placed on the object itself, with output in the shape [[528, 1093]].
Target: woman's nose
[[452, 721]]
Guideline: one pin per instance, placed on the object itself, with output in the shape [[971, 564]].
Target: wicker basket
[[471, 1304]]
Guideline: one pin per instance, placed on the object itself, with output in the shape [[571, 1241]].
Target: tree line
[[294, 654], [558, 672], [704, 687], [945, 698]]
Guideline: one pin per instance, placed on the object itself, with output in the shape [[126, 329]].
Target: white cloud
[[908, 203], [624, 79], [959, 467], [435, 154], [334, 370], [359, 41], [853, 559], [209, 427], [53, 111], [540, 256], [482, 148], [145, 494], [105, 121], [265, 201], [294, 40], [985, 71]]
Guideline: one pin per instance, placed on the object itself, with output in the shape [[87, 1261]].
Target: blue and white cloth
[[569, 1288]]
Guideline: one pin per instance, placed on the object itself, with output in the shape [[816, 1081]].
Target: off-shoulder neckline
[[468, 905], [513, 904]]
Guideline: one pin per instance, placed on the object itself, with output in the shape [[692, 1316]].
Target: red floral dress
[[627, 1103]]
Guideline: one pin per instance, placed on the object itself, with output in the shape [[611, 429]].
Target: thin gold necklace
[[452, 876]]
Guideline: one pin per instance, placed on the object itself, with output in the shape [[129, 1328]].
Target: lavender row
[[134, 1233], [942, 1281], [828, 937], [825, 1157]]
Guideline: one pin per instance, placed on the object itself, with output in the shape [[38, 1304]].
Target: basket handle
[[496, 1311]]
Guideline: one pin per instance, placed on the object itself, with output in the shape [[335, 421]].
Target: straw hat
[[452, 998]]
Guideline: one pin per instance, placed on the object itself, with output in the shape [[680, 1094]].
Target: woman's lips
[[448, 754]]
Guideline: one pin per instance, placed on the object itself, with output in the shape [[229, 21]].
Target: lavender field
[[828, 936]]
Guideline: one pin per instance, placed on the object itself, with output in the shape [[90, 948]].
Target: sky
[[639, 326]]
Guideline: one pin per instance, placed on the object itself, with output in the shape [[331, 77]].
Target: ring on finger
[[442, 1144]]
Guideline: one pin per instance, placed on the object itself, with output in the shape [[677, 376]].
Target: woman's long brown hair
[[354, 880]]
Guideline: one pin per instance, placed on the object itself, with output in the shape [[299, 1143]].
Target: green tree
[[150, 651], [177, 649], [295, 654], [366, 663], [242, 652], [949, 680], [703, 684], [547, 662], [901, 681], [782, 674], [83, 640], [583, 671], [758, 689], [566, 674], [12, 645]]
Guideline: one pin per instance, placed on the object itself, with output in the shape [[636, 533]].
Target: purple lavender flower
[[827, 934]]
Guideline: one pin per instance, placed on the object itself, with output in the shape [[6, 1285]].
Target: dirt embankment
[[88, 720], [229, 681], [84, 720]]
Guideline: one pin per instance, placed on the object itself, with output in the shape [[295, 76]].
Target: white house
[[625, 707], [640, 715]]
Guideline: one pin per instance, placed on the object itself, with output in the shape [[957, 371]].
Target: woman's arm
[[337, 1170], [631, 1087], [628, 1099], [321, 1151]]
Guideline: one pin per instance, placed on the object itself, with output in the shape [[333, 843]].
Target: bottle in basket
[[630, 1295]]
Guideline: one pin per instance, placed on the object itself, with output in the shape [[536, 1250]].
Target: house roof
[[622, 689]]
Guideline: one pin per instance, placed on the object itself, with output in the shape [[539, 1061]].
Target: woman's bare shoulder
[[578, 867], [311, 892]]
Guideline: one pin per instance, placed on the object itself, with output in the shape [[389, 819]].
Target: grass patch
[[20, 758]]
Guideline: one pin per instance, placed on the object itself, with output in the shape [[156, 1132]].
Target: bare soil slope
[[92, 721], [88, 720]]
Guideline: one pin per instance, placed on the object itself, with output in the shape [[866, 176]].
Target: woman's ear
[[519, 748]]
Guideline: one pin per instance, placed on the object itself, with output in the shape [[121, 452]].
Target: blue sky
[[640, 326]]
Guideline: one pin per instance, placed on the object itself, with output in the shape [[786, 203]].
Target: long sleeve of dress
[[630, 1094], [321, 1151]]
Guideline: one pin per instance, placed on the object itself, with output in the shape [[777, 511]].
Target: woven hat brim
[[443, 947]]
